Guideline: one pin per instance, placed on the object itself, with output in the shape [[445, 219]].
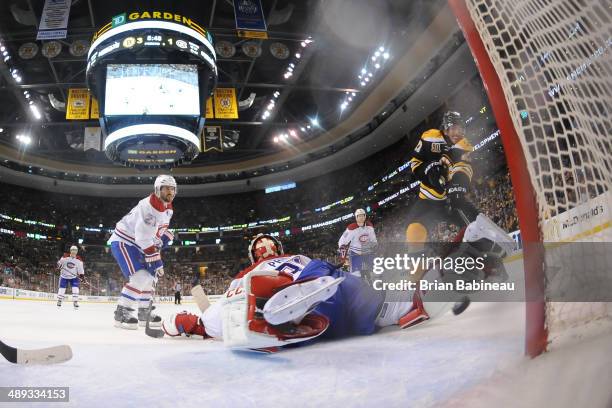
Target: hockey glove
[[435, 174], [167, 239], [154, 264], [456, 194]]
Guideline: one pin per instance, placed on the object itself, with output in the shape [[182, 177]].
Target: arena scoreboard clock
[[151, 73]]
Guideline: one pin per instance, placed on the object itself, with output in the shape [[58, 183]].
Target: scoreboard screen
[[152, 89]]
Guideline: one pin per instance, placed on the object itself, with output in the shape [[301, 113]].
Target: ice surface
[[475, 359]]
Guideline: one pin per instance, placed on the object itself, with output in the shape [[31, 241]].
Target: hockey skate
[[59, 303], [124, 318], [75, 304], [156, 321]]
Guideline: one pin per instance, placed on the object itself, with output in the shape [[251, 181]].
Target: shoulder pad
[[369, 224], [433, 135], [464, 144], [352, 226], [66, 255], [79, 258]]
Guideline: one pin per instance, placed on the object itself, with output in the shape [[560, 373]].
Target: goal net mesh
[[554, 61]]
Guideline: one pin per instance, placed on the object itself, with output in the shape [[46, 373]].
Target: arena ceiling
[[345, 35]]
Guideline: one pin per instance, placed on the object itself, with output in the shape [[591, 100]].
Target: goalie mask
[[264, 246]]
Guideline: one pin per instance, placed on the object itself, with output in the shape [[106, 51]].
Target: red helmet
[[264, 246]]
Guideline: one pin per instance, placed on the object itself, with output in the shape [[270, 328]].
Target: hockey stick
[[49, 355], [156, 333], [91, 287]]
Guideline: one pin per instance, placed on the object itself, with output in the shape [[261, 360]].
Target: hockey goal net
[[547, 67]]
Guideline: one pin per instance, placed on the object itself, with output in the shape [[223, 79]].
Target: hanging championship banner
[[209, 109], [226, 106], [78, 104], [95, 109], [212, 138], [54, 20], [249, 15], [92, 138]]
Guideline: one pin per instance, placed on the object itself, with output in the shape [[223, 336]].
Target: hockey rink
[[475, 359]]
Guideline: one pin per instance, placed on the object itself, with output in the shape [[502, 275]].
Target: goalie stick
[[48, 355]]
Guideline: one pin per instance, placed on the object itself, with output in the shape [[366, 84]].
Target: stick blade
[[156, 333], [49, 355]]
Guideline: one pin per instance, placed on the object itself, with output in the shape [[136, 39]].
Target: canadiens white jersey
[[360, 240], [144, 226], [292, 264], [70, 267]]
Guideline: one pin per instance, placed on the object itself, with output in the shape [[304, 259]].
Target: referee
[[177, 293]]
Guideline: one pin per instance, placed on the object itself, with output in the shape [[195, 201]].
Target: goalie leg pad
[[243, 323], [296, 301]]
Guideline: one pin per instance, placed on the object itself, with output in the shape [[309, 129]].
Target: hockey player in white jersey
[[71, 270], [136, 244], [358, 243]]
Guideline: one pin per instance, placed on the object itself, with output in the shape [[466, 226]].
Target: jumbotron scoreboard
[[151, 73]]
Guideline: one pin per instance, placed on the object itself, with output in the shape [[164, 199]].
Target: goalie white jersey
[[144, 225]]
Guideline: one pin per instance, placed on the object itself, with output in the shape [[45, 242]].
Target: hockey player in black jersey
[[440, 161]]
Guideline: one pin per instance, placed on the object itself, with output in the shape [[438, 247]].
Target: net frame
[[529, 62]]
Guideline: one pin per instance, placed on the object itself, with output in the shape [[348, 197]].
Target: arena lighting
[[298, 55], [151, 76], [35, 111], [314, 121], [292, 133], [24, 139], [275, 139], [386, 55]]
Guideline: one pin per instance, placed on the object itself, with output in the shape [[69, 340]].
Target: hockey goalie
[[286, 299]]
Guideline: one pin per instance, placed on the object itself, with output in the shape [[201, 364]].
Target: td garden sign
[[151, 15], [151, 72]]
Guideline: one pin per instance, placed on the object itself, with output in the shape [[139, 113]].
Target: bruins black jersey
[[433, 148]]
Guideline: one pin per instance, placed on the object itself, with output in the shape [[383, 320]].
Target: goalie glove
[[184, 323], [244, 325]]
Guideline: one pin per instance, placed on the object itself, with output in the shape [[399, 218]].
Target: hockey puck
[[460, 306]]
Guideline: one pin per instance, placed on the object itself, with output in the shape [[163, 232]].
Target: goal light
[[151, 78]]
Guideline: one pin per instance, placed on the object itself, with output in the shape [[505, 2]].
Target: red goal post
[[530, 55]]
